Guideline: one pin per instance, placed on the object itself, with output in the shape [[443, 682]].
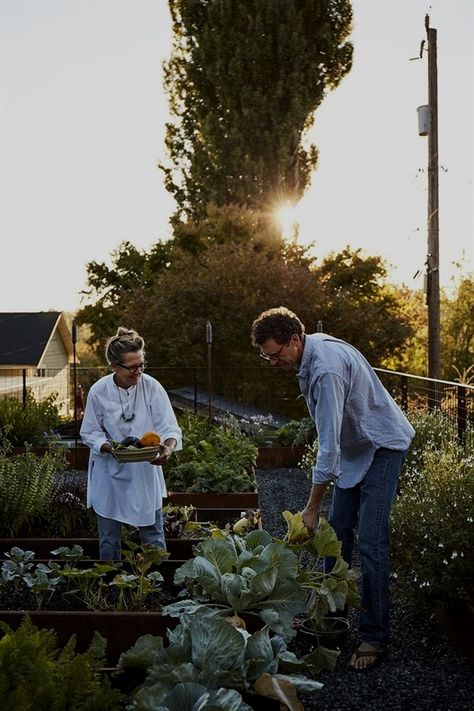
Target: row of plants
[[38, 493], [70, 581], [216, 457], [233, 582]]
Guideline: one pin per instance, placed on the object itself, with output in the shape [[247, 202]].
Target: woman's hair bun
[[122, 331]]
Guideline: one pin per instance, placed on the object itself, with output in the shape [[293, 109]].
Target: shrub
[[26, 484], [433, 430], [30, 422], [65, 513], [433, 527], [297, 433], [35, 673], [214, 458]]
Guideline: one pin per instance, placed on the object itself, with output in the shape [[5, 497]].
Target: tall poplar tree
[[244, 80]]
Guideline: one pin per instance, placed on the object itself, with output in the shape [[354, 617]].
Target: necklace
[[127, 418]]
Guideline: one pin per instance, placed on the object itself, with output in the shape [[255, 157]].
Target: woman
[[127, 403]]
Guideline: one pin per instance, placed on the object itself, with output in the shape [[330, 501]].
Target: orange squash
[[150, 439]]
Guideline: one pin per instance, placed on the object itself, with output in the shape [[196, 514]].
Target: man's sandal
[[376, 654]]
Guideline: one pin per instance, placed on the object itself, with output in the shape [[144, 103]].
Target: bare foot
[[366, 656]]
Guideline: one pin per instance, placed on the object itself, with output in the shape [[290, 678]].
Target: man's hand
[[310, 518], [310, 513]]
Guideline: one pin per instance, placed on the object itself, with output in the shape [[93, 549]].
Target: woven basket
[[143, 454]]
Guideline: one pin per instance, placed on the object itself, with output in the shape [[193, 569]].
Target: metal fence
[[247, 392]]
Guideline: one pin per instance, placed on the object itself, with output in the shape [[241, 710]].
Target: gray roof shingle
[[24, 336]]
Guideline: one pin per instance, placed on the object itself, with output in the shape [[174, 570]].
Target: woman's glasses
[[134, 368]]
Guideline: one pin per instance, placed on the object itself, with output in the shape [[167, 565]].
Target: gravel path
[[422, 671]]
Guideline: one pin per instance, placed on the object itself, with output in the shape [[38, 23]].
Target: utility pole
[[432, 262]]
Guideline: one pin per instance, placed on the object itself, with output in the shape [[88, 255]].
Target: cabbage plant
[[208, 652], [249, 574]]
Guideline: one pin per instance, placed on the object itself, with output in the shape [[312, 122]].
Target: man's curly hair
[[279, 323]]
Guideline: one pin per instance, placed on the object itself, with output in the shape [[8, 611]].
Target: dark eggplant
[[131, 442]]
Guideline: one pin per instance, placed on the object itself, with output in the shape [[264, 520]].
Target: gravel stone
[[422, 671]]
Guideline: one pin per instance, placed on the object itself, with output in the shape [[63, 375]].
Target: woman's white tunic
[[130, 492]]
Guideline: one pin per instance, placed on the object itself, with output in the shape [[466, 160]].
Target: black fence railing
[[251, 392]]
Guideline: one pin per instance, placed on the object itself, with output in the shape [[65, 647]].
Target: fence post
[[404, 390], [462, 413], [434, 395], [24, 393], [195, 390]]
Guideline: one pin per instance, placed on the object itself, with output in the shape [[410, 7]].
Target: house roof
[[24, 336]]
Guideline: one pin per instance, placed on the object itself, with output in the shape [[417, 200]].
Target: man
[[363, 439]]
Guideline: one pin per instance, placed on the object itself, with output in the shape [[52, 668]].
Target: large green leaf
[[317, 660], [258, 537], [287, 600], [220, 552], [297, 531], [195, 697], [324, 543], [232, 589], [216, 645], [142, 654], [278, 555], [261, 654]]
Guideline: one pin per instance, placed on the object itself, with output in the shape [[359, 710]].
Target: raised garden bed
[[242, 500], [458, 623], [120, 629], [276, 457], [178, 548]]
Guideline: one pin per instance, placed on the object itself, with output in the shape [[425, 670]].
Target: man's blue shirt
[[353, 412]]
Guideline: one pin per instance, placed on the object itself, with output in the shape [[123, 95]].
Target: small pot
[[331, 633]]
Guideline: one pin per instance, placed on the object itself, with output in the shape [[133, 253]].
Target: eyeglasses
[[272, 356], [134, 368]]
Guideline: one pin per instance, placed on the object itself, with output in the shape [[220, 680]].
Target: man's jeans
[[370, 501], [110, 535]]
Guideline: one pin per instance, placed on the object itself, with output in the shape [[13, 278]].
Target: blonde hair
[[126, 340]]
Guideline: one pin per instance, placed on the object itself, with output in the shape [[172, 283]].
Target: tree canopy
[[108, 288], [457, 332], [230, 284], [244, 80]]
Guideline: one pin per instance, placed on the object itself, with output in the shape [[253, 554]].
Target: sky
[[82, 124]]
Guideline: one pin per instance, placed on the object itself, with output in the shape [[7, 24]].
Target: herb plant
[[26, 485], [36, 674]]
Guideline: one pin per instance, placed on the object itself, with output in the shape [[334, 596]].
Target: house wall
[[55, 355]]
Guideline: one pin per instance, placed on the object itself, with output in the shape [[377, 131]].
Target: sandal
[[376, 654]]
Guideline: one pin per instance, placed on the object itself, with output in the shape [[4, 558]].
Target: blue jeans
[[110, 535], [370, 503]]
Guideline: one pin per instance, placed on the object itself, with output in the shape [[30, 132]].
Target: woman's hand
[[106, 448], [166, 452], [164, 456]]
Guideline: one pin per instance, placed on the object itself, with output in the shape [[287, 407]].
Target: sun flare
[[287, 218]]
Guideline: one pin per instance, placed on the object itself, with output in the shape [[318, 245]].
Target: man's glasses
[[134, 368], [272, 356]]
